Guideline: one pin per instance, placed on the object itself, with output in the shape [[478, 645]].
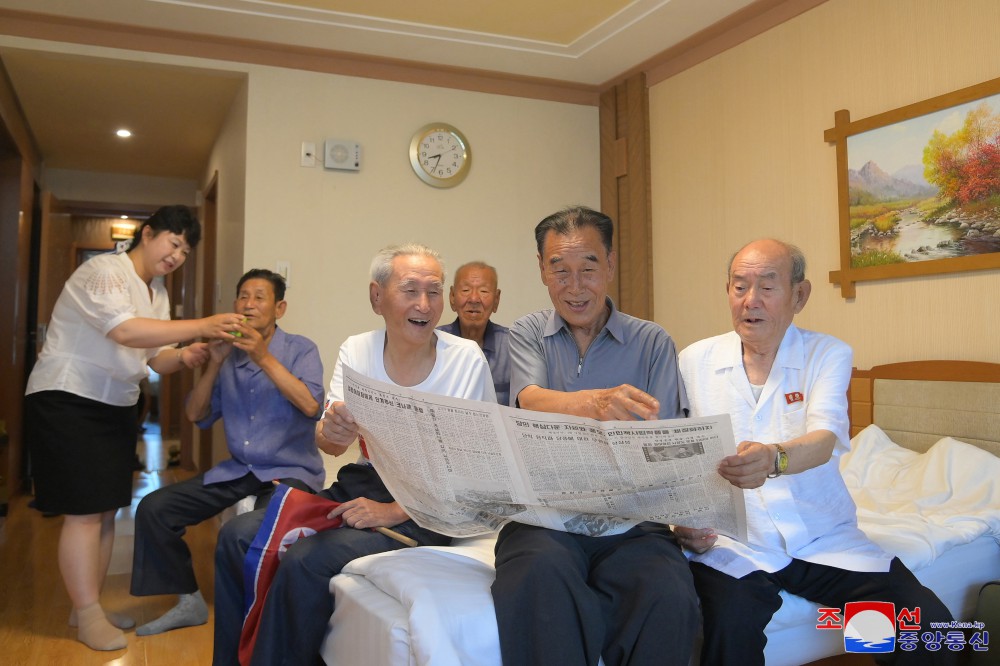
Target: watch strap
[[780, 462]]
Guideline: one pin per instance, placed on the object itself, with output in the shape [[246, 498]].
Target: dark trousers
[[570, 599], [736, 610], [299, 603], [161, 560]]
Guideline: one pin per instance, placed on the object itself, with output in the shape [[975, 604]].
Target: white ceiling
[[586, 42]]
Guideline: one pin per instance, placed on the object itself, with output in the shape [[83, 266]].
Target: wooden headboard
[[917, 403]]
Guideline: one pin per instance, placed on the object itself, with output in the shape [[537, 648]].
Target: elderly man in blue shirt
[[267, 386], [475, 297]]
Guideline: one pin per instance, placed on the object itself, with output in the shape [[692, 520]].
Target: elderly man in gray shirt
[[606, 587]]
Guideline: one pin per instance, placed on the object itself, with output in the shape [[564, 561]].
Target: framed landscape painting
[[919, 188]]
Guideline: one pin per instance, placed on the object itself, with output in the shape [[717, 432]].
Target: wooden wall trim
[[626, 193], [155, 40], [613, 165]]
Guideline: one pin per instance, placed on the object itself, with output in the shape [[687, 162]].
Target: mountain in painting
[[881, 186]]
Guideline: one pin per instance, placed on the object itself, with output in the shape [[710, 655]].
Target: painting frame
[[847, 275]]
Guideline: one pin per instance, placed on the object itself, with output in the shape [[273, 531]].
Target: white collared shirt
[[810, 515], [78, 356]]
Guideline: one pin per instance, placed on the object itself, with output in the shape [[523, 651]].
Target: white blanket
[[919, 505]]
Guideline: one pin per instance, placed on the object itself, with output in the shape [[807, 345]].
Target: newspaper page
[[465, 467]]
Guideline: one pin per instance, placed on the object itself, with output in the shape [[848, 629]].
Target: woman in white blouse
[[111, 320]]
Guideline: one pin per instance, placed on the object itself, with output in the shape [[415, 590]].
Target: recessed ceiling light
[[124, 133], [124, 217]]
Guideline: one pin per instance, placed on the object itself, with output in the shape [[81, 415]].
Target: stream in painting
[[917, 240]]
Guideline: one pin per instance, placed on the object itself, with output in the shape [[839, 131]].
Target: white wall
[[738, 153], [530, 158], [71, 185]]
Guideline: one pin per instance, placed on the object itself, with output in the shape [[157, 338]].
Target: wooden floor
[[34, 606]]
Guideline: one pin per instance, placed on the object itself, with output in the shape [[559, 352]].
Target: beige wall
[[228, 164], [738, 153], [529, 158]]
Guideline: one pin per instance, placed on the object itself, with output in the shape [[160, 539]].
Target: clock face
[[440, 155]]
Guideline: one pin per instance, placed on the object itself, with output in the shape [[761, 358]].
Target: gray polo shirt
[[627, 350]]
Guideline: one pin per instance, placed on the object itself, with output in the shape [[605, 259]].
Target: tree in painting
[[966, 165]]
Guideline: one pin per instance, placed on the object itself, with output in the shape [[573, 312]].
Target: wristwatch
[[780, 462]]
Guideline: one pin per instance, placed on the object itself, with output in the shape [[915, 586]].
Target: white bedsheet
[[919, 505], [946, 497]]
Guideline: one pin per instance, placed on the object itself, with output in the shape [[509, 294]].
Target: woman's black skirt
[[82, 452]]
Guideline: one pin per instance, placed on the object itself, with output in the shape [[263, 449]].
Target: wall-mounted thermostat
[[341, 154]]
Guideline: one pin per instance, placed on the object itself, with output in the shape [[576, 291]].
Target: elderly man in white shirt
[[785, 389]]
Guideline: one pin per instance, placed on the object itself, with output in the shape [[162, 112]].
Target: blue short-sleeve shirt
[[266, 434]]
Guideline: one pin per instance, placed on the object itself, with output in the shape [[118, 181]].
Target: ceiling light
[[122, 230], [124, 133]]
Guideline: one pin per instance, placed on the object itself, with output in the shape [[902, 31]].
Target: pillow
[[874, 460], [446, 594]]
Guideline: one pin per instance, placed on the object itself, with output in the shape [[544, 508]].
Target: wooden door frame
[[201, 303], [19, 166]]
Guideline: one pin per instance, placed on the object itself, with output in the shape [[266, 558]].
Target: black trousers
[[161, 560], [736, 610], [570, 599]]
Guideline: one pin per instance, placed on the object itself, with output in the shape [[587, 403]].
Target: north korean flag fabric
[[291, 515]]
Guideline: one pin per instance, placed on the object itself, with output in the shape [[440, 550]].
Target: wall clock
[[440, 155]]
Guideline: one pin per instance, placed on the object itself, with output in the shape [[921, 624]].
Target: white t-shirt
[[460, 369], [810, 515], [78, 357]]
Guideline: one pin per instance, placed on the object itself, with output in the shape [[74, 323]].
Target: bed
[[923, 469]]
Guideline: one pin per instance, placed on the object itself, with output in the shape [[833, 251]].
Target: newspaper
[[465, 467]]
